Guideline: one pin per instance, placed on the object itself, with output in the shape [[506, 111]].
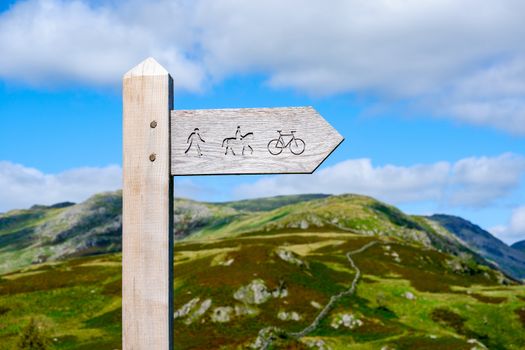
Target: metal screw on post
[[152, 156]]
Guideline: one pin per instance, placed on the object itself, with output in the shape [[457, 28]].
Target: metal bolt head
[[153, 124], [152, 157]]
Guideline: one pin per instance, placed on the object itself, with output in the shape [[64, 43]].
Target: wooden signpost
[[158, 143]]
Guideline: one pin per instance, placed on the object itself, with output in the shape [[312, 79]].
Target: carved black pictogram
[[295, 144], [230, 143], [193, 142]]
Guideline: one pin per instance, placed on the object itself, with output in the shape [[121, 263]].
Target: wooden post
[[147, 219]]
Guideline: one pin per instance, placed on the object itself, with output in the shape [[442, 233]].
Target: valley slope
[[257, 274]]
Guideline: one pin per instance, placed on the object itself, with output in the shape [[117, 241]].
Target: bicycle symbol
[[296, 145]]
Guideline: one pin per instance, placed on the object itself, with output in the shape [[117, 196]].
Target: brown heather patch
[[113, 288], [455, 321], [426, 270], [488, 299], [58, 277], [411, 342], [207, 336], [114, 343], [521, 315], [374, 329], [368, 280], [111, 318], [450, 319], [4, 310]]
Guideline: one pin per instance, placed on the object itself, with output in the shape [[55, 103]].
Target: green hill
[[94, 227], [297, 272]]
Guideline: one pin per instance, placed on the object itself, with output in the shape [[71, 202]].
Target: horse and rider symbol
[[237, 141], [241, 143]]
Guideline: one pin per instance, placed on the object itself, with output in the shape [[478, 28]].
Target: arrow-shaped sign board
[[250, 141], [159, 142]]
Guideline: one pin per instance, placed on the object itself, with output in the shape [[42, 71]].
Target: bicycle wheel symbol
[[296, 145]]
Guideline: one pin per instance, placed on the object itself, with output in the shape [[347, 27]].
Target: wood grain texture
[[208, 151], [147, 209]]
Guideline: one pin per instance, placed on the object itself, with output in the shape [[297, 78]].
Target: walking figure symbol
[[194, 140]]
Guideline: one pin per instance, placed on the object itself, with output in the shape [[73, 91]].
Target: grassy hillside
[[77, 303], [228, 290], [291, 272], [94, 227], [409, 297]]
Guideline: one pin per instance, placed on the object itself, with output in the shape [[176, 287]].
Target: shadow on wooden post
[[147, 220]]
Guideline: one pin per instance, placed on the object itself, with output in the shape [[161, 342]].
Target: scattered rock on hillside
[[186, 308], [389, 252], [396, 257], [222, 314], [222, 260], [205, 305], [290, 257], [409, 295], [289, 316], [318, 344], [316, 304], [386, 347], [347, 320], [256, 292], [246, 310], [477, 344]]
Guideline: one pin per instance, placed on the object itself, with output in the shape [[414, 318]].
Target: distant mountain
[[55, 232], [520, 245], [50, 233], [508, 259]]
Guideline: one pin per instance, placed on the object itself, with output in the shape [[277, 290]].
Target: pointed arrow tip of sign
[[149, 66], [336, 145]]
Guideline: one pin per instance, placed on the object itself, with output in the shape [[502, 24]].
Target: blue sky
[[433, 111]]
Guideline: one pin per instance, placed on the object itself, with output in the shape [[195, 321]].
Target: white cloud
[[477, 181], [22, 186], [515, 229], [492, 96], [471, 182], [49, 42], [461, 59], [391, 183]]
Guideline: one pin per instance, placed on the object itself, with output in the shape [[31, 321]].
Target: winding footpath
[[267, 335]]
